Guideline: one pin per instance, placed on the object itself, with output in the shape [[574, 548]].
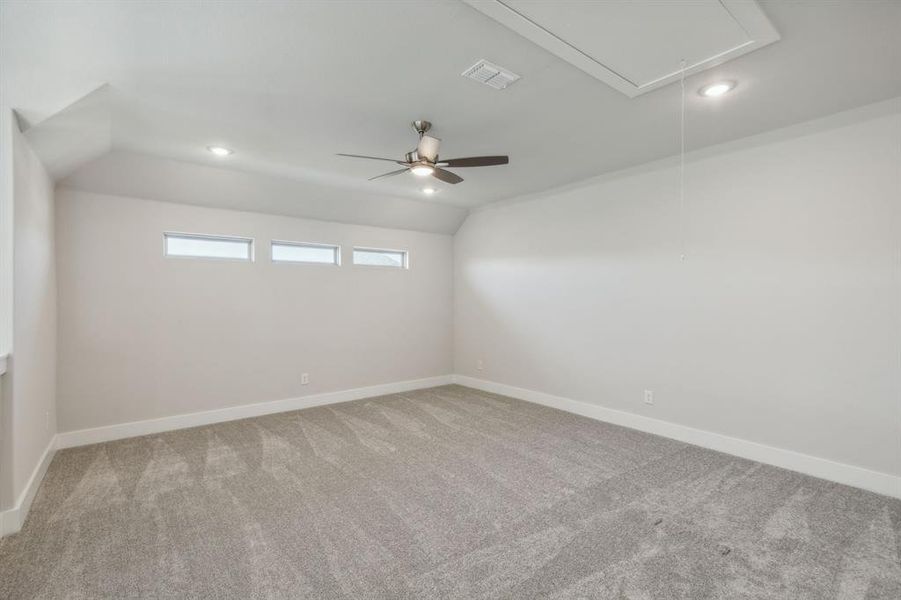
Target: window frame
[[296, 244], [251, 246], [403, 267]]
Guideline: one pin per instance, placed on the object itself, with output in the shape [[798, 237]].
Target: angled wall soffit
[[74, 136]]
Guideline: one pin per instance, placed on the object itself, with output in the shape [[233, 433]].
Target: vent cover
[[490, 74]]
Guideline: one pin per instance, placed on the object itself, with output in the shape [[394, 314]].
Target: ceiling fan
[[423, 161]]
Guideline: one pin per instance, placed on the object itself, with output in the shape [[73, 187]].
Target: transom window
[[195, 245], [378, 257], [303, 252]]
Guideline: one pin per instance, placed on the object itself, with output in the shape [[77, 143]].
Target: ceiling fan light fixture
[[422, 170]]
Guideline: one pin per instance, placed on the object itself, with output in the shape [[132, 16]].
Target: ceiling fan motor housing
[[413, 157]]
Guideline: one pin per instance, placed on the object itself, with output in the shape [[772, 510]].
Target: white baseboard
[[874, 481], [11, 520], [120, 431]]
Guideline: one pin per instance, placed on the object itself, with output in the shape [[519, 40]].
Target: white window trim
[[403, 267], [335, 247], [208, 236]]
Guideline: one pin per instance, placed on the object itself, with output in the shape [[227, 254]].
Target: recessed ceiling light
[[423, 170], [428, 191], [220, 150], [714, 90]]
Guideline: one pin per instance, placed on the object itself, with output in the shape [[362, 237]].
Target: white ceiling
[[289, 84]]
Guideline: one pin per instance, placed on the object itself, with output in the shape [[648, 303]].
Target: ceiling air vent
[[490, 74]]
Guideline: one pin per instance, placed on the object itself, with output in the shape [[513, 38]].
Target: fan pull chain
[[682, 169]]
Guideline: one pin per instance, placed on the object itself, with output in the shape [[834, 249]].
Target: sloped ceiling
[[125, 173], [289, 84]]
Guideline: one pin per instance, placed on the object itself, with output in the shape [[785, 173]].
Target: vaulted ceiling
[[288, 85]]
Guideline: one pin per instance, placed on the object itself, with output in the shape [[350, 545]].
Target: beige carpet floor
[[441, 493]]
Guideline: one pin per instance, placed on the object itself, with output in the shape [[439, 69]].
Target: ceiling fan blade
[[428, 147], [446, 176], [389, 174], [370, 157], [475, 161]]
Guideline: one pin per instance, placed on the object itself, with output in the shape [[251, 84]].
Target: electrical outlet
[[649, 397], [480, 365], [304, 378]]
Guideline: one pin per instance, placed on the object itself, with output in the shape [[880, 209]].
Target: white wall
[[144, 336], [28, 400], [7, 124], [783, 326]]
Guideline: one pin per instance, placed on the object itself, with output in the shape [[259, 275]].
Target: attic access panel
[[636, 46]]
